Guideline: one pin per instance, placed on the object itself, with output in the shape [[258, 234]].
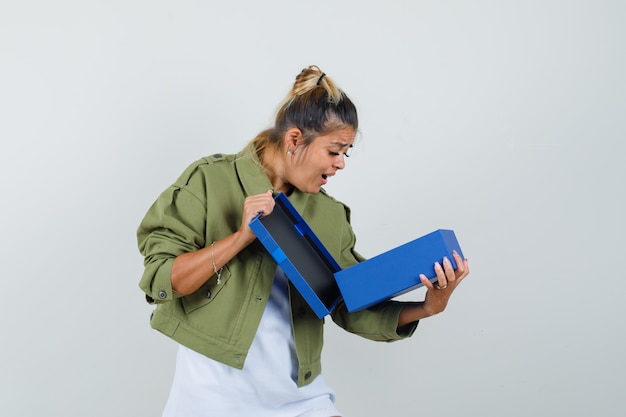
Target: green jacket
[[220, 321]]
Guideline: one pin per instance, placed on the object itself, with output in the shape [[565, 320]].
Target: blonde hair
[[315, 105]]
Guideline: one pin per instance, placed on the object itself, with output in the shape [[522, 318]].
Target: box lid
[[304, 259]]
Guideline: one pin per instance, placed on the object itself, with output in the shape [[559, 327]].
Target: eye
[[337, 154]]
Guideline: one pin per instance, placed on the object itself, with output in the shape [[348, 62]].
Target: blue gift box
[[322, 282], [397, 271]]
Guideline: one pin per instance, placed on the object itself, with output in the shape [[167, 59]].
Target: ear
[[292, 138]]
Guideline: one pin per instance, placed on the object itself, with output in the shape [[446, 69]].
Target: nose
[[340, 162]]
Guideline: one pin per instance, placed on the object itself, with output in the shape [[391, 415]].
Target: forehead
[[340, 138]]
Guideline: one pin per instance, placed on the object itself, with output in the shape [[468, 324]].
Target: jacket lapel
[[250, 173], [254, 180]]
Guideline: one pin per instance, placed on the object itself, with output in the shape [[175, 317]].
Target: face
[[309, 168]]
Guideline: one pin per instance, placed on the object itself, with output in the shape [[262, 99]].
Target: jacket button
[[208, 294], [162, 294], [307, 375]]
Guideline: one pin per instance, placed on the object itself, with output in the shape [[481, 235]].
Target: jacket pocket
[[206, 293]]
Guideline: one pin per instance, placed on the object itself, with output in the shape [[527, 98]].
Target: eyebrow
[[341, 144]]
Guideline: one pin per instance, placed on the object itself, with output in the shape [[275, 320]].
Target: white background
[[502, 120]]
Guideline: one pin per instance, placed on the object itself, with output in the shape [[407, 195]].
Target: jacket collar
[[254, 180]]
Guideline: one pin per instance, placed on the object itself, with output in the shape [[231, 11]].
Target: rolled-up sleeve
[[174, 224]]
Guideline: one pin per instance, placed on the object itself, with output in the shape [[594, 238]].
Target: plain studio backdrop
[[501, 120]]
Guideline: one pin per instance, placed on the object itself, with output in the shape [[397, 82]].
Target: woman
[[248, 342]]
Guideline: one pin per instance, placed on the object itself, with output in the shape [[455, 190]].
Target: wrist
[[413, 312], [242, 238]]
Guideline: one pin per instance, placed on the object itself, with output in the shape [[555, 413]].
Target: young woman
[[249, 345]]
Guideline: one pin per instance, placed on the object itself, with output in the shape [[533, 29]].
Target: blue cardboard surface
[[397, 271], [300, 254], [320, 280]]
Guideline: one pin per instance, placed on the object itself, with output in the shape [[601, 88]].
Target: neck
[[274, 164]]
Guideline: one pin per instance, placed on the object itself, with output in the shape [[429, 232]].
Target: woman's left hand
[[448, 279]]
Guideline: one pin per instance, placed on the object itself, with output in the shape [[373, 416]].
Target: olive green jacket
[[220, 320]]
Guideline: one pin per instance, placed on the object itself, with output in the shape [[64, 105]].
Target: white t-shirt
[[203, 387]]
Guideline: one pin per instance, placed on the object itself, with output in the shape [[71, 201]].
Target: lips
[[325, 178]]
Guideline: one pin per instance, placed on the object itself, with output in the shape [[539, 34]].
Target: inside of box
[[306, 257]]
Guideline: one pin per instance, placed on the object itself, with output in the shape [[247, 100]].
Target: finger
[[271, 203], [461, 265], [462, 268], [448, 269], [466, 270], [260, 204], [429, 285], [458, 260], [442, 282]]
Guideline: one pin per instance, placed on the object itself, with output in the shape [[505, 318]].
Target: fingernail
[[454, 252], [446, 260]]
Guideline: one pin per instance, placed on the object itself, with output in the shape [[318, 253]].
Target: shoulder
[[208, 165], [332, 200], [328, 203]]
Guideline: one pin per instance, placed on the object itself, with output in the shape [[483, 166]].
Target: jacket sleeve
[[379, 322], [173, 225]]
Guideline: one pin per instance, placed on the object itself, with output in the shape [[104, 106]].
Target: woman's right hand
[[192, 269], [252, 206]]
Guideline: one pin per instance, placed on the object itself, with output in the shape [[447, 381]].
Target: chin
[[313, 190]]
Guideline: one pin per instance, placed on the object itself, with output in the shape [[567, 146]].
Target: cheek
[[307, 166]]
